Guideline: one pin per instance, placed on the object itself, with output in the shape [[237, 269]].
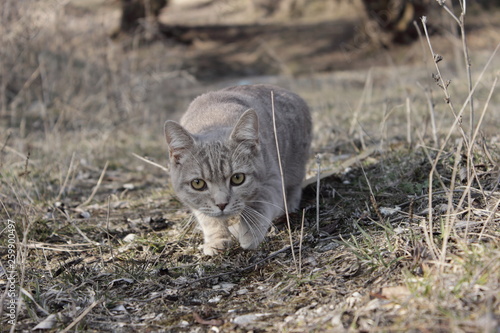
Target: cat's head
[[216, 177]]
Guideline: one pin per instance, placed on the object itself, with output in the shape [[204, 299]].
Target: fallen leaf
[[47, 324], [120, 281], [396, 292], [211, 322]]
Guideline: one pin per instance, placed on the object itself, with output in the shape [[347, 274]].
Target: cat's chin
[[222, 215]]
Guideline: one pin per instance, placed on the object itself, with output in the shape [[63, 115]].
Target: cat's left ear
[[247, 128]]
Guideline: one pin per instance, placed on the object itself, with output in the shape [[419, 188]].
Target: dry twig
[[282, 179]]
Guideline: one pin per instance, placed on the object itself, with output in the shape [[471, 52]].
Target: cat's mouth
[[224, 214]]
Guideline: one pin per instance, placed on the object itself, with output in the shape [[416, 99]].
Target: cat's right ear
[[178, 139], [247, 128]]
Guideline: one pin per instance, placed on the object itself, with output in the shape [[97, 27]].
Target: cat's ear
[[178, 139], [247, 128]]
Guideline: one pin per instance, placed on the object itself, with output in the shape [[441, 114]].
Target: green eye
[[237, 179], [198, 184]]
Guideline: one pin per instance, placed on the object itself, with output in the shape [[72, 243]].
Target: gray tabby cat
[[224, 164]]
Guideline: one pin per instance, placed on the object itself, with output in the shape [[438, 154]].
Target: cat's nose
[[221, 206]]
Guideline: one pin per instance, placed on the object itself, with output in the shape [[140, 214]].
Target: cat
[[224, 161]]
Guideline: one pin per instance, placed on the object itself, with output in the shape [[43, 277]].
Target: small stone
[[249, 318], [215, 299], [227, 286], [129, 238], [119, 308], [327, 247], [128, 186], [387, 211], [84, 214], [399, 230], [242, 291]]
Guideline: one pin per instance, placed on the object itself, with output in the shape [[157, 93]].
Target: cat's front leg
[[215, 233], [254, 224]]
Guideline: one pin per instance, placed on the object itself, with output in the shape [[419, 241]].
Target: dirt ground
[[402, 236]]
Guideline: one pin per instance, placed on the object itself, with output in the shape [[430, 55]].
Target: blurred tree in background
[[396, 16], [392, 19], [133, 12]]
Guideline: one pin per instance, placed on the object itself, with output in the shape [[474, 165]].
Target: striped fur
[[230, 133]]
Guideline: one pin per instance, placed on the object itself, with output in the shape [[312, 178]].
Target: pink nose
[[222, 206]]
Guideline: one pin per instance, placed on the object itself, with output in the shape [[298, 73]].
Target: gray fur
[[231, 131]]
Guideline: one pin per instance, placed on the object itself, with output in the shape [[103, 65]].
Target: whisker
[[252, 216], [269, 221], [252, 224], [269, 203], [249, 218], [257, 213]]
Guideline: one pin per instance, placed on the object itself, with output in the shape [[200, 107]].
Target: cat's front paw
[[215, 247], [247, 239], [250, 244]]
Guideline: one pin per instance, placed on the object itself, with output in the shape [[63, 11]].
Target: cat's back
[[222, 108]]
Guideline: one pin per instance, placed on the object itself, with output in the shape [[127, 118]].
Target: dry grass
[[409, 236]]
